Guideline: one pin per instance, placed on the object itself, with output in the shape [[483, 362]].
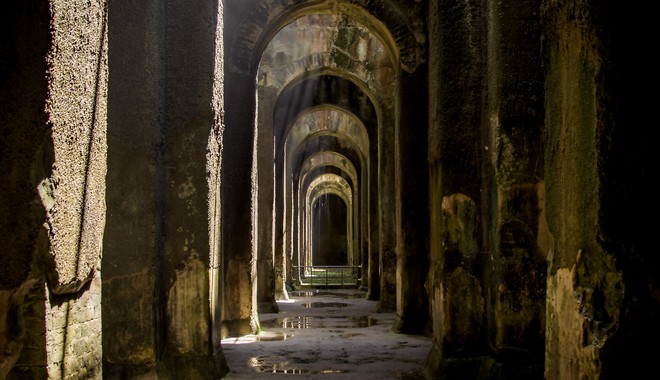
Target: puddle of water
[[278, 365], [324, 304], [309, 322], [289, 371], [342, 295], [291, 323], [303, 294], [312, 293], [266, 364]]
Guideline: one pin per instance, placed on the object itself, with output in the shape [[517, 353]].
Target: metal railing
[[328, 275]]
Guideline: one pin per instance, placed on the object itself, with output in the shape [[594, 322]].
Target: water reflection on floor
[[280, 365], [327, 334], [324, 304], [316, 322], [325, 293]]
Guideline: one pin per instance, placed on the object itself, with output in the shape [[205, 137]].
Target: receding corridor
[[174, 173]]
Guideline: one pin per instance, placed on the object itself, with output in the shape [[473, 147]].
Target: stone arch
[[367, 115], [327, 120], [356, 52], [327, 158], [384, 106], [348, 130], [268, 16]]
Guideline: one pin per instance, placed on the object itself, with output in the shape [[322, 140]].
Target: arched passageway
[[163, 167], [339, 69]]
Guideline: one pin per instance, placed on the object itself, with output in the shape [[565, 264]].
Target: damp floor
[[327, 334]]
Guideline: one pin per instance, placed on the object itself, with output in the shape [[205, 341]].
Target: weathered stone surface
[[166, 104], [73, 333], [129, 337], [464, 312], [457, 303], [74, 193], [187, 300], [520, 272]]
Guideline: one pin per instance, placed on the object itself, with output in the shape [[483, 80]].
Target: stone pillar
[[296, 232], [239, 316], [191, 42], [520, 272], [457, 295], [412, 205], [387, 210], [131, 244], [373, 266], [266, 287], [515, 115], [463, 315], [161, 252], [364, 225], [282, 276]]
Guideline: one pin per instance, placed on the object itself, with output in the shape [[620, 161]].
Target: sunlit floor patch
[[264, 336]]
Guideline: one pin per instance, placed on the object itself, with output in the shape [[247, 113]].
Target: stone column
[[412, 205], [373, 265], [239, 316], [387, 210], [455, 283], [132, 236], [282, 276], [266, 286], [161, 253], [191, 73], [515, 118]]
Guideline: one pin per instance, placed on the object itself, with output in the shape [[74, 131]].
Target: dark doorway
[[329, 239]]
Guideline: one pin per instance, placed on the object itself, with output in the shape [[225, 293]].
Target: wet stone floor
[[327, 334]]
